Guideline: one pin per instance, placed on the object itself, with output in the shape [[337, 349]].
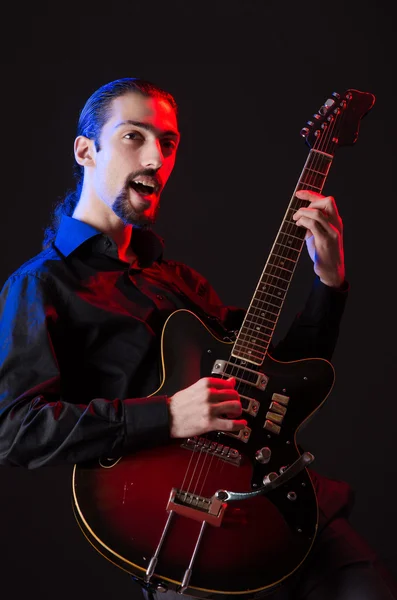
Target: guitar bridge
[[201, 444]]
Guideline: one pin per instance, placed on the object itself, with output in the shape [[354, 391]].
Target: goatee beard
[[123, 209]]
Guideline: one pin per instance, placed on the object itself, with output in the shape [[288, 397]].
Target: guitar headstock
[[337, 122]]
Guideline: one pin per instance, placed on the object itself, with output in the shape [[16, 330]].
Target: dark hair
[[93, 117]]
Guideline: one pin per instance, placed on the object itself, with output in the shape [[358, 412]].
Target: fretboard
[[260, 321]]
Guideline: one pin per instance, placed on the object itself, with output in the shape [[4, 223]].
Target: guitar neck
[[261, 318]]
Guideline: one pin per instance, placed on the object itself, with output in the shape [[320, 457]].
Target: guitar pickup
[[248, 376]]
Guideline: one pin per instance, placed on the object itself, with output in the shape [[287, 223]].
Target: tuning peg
[[316, 116], [304, 132], [336, 95]]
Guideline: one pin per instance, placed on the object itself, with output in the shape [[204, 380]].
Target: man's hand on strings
[[210, 404], [324, 236]]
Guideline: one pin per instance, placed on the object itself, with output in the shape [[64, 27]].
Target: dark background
[[247, 77]]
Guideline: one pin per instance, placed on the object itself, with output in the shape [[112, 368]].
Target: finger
[[217, 383], [229, 424], [304, 217], [317, 226], [328, 205], [224, 395], [308, 195], [231, 407]]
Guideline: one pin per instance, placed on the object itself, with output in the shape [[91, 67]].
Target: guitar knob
[[263, 455], [269, 478]]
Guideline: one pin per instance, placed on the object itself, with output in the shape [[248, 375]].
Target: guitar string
[[314, 166]]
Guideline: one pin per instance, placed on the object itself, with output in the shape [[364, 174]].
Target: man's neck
[[111, 226]]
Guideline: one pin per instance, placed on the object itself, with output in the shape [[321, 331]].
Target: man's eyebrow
[[147, 127]]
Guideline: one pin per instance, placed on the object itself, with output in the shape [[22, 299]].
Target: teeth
[[145, 182]]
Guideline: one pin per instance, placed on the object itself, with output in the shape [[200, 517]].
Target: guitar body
[[121, 504]]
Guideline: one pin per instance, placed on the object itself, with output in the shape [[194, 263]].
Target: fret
[[314, 171], [252, 337], [251, 316], [260, 318], [282, 285], [266, 285], [265, 299], [266, 310], [283, 261], [284, 257], [297, 230], [256, 318], [268, 303], [252, 348], [323, 161], [277, 277], [291, 251], [252, 341], [247, 320], [290, 241], [297, 203], [249, 354], [246, 338], [270, 317], [312, 177], [259, 329], [279, 267], [312, 187]]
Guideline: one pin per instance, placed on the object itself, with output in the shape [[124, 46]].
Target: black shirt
[[80, 344]]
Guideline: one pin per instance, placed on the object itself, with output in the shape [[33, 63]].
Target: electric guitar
[[227, 513]]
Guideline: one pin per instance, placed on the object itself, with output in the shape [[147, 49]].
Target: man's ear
[[84, 151]]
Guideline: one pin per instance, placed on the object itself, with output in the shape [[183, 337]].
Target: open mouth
[[144, 189]]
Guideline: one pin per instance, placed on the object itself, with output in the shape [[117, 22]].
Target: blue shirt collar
[[72, 233]]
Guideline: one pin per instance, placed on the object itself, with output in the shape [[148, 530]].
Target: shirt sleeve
[[37, 427], [315, 330]]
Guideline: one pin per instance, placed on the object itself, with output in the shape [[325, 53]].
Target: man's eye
[[132, 135], [169, 143]]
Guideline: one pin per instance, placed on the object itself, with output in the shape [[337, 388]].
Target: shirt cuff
[[147, 422], [325, 302]]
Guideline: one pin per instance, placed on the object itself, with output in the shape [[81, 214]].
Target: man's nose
[[152, 155]]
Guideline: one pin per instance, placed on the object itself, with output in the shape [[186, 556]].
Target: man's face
[[137, 154]]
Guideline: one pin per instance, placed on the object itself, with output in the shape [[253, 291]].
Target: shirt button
[[159, 296]]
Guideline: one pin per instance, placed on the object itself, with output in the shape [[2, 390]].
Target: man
[[80, 325]]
